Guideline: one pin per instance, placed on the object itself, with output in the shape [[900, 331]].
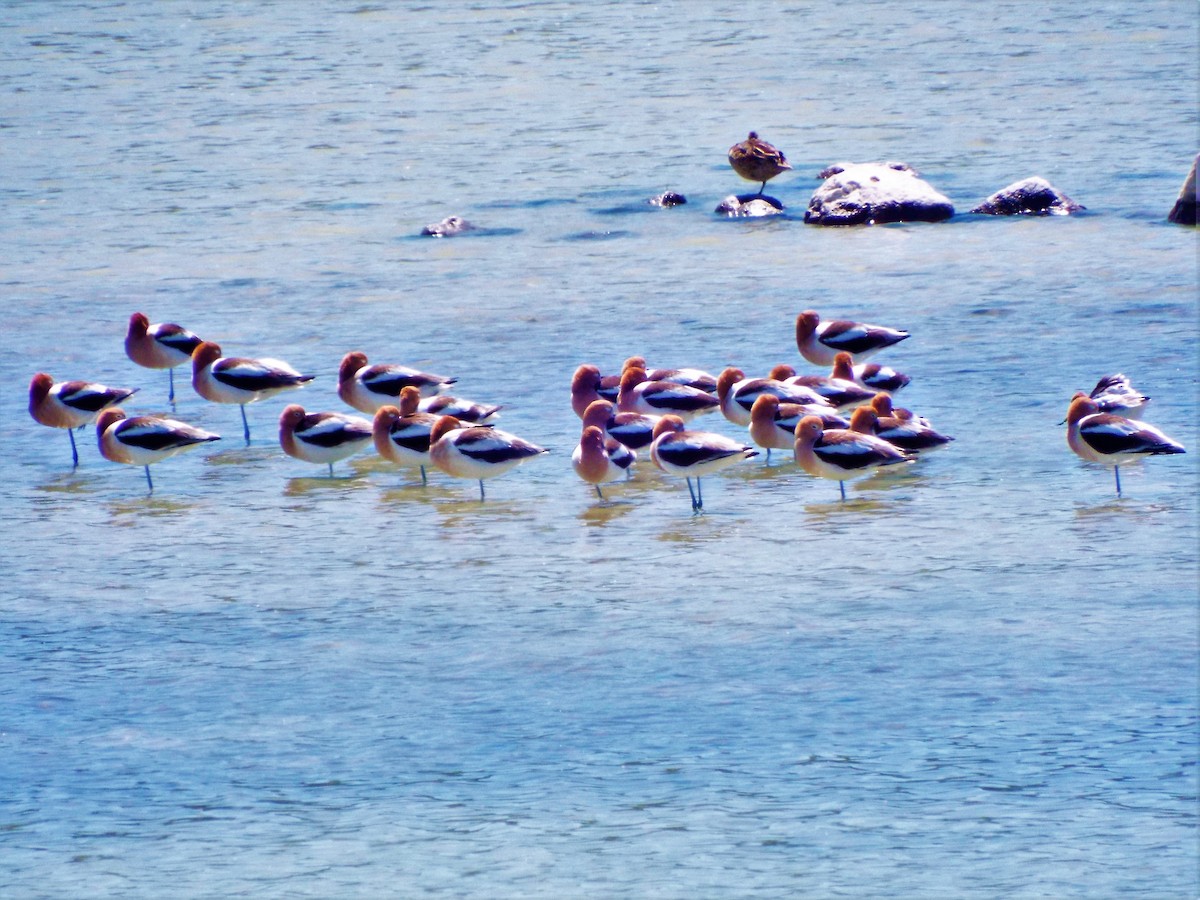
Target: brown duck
[[756, 160]]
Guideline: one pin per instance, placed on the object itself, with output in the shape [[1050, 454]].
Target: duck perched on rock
[[756, 160]]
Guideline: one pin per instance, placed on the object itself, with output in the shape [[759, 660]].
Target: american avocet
[[840, 454], [736, 394], [868, 375], [1116, 394], [694, 453], [402, 432], [598, 459], [163, 345], [756, 160], [841, 393], [820, 342], [321, 437], [690, 376], [882, 404], [367, 388], [640, 395], [907, 434], [609, 387], [144, 440], [585, 388], [634, 430], [462, 409], [773, 424], [233, 379], [1112, 440], [478, 451], [70, 404]]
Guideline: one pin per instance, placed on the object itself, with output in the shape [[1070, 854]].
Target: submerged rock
[[1184, 210], [749, 206], [875, 193], [448, 227], [668, 199], [1030, 197]]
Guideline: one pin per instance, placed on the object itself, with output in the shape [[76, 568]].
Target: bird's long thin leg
[[424, 480], [842, 485], [691, 493], [482, 496], [149, 483], [171, 386], [245, 425], [1117, 472], [74, 452], [331, 470], [599, 493]]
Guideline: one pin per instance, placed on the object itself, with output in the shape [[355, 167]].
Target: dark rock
[[668, 199], [1030, 197], [873, 194], [749, 206], [1184, 210], [448, 227]]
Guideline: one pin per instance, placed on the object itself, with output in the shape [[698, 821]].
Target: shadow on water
[[529, 204], [475, 232], [598, 235]]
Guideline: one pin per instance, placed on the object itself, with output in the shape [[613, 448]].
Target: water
[[976, 679]]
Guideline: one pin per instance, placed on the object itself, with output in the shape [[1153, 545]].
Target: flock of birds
[[839, 426], [415, 423]]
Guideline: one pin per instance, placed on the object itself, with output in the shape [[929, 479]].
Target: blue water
[[974, 679]]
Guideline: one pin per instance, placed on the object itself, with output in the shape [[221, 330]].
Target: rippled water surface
[[977, 678]]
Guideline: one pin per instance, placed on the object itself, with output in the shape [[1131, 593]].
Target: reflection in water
[[75, 481], [458, 515], [302, 485], [604, 512], [704, 526], [243, 456], [393, 499], [127, 513]]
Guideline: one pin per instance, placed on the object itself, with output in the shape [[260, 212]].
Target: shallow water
[[975, 678]]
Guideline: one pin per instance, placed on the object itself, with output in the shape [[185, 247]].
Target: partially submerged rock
[[448, 227], [749, 206], [1184, 210], [668, 199], [873, 194], [1030, 197]]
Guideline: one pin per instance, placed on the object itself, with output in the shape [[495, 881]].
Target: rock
[[1184, 210], [668, 199], [448, 227], [875, 193], [749, 206], [1030, 197]]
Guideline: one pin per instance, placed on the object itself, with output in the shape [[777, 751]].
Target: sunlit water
[[976, 678]]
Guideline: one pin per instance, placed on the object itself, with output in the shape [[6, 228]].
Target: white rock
[[874, 193]]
